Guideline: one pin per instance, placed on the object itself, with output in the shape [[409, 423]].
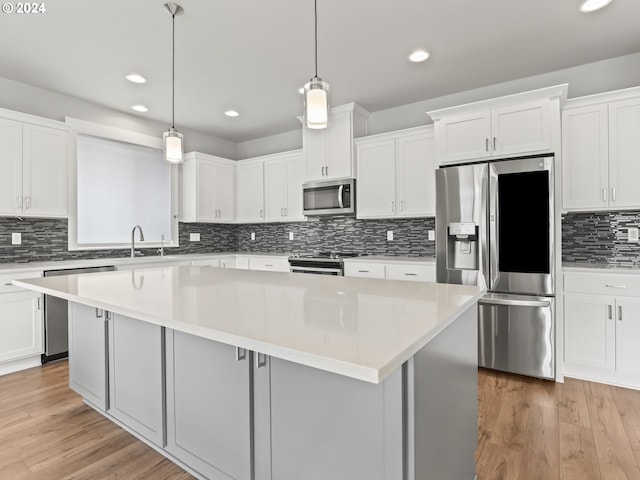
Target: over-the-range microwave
[[329, 197]]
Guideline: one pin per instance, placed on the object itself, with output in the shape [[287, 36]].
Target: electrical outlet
[[632, 235], [194, 237], [253, 235], [16, 239], [431, 235], [290, 235], [389, 235]]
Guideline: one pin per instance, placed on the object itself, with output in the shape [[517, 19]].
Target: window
[[120, 185]]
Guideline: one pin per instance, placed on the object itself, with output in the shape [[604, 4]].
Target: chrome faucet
[[161, 249], [133, 240]]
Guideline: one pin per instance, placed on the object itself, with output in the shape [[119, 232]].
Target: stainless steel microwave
[[329, 197]]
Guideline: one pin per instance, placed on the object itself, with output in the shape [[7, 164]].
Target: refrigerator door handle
[[514, 303]]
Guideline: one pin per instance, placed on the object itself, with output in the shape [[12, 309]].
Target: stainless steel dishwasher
[[56, 322]]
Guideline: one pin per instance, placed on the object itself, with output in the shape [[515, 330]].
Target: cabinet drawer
[[602, 284], [6, 278], [272, 264], [208, 262], [364, 270], [414, 273]]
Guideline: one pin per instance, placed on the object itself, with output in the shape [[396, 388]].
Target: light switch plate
[[389, 235], [290, 235], [432, 235], [16, 239], [632, 235], [253, 235], [194, 237]]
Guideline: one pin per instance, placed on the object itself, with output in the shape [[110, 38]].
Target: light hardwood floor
[[528, 430]]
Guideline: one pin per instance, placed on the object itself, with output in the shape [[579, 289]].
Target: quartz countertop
[[594, 267], [392, 259], [360, 328]]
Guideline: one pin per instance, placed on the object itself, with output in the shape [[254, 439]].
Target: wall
[[600, 238], [46, 239]]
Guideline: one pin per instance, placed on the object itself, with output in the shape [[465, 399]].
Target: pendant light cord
[[315, 9], [173, 70]]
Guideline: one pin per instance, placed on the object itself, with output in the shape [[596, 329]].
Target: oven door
[[336, 272], [516, 334], [521, 226]]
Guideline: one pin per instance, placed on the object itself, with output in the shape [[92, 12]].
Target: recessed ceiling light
[[140, 108], [419, 56], [588, 6], [135, 78], [231, 113]]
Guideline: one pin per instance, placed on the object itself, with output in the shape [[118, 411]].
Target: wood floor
[[528, 430]]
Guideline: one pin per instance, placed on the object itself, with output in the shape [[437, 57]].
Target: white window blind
[[120, 185]]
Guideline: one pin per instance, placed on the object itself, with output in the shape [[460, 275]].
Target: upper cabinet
[[601, 147], [250, 191], [34, 164], [283, 177], [396, 174], [329, 152], [525, 123], [207, 189]]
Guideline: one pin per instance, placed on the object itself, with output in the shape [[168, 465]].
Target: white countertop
[[578, 267], [361, 328], [391, 259]]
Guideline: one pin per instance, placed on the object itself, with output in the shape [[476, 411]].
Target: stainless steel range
[[320, 263]]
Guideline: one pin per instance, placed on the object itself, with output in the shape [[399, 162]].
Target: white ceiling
[[253, 55]]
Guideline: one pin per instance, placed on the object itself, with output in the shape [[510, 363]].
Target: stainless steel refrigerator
[[495, 227]]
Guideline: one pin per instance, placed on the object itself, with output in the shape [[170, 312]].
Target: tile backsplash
[[600, 237], [46, 239]]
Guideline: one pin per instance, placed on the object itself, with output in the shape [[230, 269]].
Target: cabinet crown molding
[[556, 91], [604, 97]]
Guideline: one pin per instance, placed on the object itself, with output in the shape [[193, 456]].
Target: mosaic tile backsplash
[[46, 239], [600, 238]]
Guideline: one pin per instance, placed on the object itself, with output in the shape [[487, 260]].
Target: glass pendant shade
[[316, 104], [172, 146]]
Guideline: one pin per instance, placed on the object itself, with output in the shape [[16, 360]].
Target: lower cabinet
[[602, 331], [413, 271], [136, 376], [88, 354], [209, 406]]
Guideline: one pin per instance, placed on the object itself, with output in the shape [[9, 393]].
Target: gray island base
[[230, 410]]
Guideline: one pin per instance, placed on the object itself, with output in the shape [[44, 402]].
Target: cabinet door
[[274, 190], [20, 325], [624, 153], [209, 406], [376, 185], [295, 169], [463, 137], [627, 334], [88, 353], [224, 192], [11, 167], [521, 129], [411, 273], [589, 336], [585, 154], [205, 201], [339, 146], [136, 390], [416, 176], [315, 151], [44, 182], [364, 270], [250, 193]]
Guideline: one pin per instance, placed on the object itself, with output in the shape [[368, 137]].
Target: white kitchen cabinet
[[34, 164], [228, 262], [508, 126], [270, 264], [329, 151], [283, 177], [88, 354], [209, 406], [21, 324], [390, 269], [601, 146], [602, 325], [206, 262], [136, 388], [412, 273], [207, 189], [364, 270], [250, 192], [396, 174]]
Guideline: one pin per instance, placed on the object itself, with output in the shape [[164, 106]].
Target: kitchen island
[[237, 374]]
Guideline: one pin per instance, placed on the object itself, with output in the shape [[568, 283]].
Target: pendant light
[[172, 145], [316, 92]]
